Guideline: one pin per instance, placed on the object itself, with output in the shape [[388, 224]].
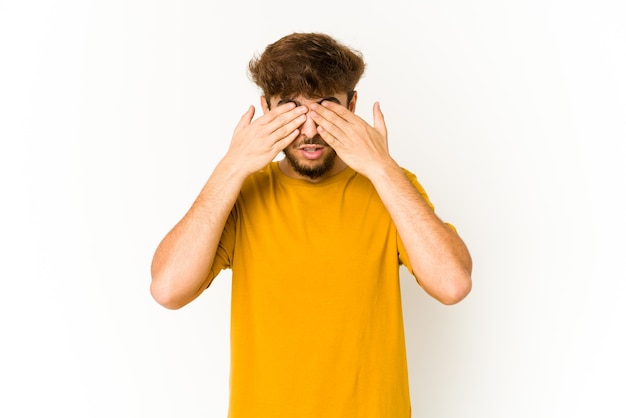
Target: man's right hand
[[256, 144], [181, 267]]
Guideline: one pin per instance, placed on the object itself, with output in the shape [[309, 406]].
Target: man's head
[[305, 68], [306, 64]]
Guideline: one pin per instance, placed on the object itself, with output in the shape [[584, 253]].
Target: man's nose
[[308, 128]]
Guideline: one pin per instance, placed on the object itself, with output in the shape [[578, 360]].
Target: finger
[[279, 113], [329, 124], [331, 109], [287, 119], [246, 118], [379, 120], [283, 143], [329, 138], [286, 129]]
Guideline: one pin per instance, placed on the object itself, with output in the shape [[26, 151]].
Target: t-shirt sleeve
[[402, 254], [225, 249]]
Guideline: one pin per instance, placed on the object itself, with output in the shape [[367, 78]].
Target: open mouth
[[310, 148], [311, 152]]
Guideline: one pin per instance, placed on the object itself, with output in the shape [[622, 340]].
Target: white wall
[[511, 113]]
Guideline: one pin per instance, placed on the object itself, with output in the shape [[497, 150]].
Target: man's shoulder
[[260, 181], [408, 173], [264, 174]]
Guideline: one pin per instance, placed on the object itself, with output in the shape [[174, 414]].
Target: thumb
[[379, 120], [246, 118]]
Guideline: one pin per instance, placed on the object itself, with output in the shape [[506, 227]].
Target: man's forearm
[[439, 258], [182, 262]]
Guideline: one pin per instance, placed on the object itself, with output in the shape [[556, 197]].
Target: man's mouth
[[311, 152], [310, 148]]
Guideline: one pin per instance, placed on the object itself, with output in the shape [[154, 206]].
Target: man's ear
[[265, 105], [352, 104]]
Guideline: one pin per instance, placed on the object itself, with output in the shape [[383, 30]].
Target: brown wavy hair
[[309, 64]]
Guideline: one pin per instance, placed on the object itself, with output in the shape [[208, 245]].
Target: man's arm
[[439, 258], [181, 266]]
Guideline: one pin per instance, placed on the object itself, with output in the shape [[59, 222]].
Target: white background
[[113, 114]]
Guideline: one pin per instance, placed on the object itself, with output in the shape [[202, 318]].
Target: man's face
[[309, 155]]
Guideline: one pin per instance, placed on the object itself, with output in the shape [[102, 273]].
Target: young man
[[315, 242]]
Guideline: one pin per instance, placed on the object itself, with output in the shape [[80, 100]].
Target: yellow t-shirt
[[316, 321]]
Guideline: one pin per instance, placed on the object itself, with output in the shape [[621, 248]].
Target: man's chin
[[312, 169]]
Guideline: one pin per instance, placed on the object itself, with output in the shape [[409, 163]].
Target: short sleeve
[[225, 249], [402, 254]]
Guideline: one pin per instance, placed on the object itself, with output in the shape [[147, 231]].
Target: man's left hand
[[361, 146]]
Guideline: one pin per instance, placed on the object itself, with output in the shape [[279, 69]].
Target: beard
[[311, 170]]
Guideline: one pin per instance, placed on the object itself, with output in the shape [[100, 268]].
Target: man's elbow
[[165, 295], [457, 289]]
